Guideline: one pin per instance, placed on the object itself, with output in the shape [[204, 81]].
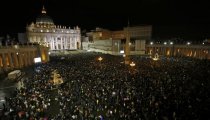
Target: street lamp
[[171, 43], [156, 57], [132, 64], [100, 59]]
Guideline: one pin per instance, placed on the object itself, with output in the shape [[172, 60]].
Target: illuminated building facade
[[16, 56], [114, 42], [46, 33], [179, 50]]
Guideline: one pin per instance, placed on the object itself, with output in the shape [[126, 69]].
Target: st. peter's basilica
[[46, 33]]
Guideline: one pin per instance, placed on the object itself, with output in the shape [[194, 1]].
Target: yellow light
[[155, 59], [100, 58], [132, 64]]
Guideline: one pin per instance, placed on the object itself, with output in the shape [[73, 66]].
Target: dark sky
[[170, 18]]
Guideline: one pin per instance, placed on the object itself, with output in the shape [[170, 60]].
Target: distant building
[[113, 42], [22, 38], [56, 37]]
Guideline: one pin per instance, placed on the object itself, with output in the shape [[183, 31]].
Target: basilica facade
[[45, 32]]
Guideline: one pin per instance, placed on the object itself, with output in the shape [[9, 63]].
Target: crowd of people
[[166, 89]]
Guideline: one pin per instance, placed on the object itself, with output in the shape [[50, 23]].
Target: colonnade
[[14, 58], [196, 51]]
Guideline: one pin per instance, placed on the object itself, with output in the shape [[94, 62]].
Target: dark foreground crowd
[[167, 89]]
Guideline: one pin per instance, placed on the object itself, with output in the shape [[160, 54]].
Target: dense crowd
[[167, 89]]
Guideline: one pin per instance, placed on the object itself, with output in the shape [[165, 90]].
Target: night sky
[[170, 18]]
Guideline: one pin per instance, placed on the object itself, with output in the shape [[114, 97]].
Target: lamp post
[[171, 43], [156, 57], [132, 64], [100, 59], [127, 46]]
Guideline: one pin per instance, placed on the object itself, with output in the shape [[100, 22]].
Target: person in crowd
[[167, 89]]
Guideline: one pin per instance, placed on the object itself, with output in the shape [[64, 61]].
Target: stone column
[[26, 58], [66, 43], [200, 54], [35, 39], [23, 58], [46, 42], [165, 51], [51, 43], [47, 55], [61, 44], [29, 58], [69, 42], [11, 64], [75, 43], [194, 53], [79, 43], [15, 60], [32, 56], [56, 43], [35, 54], [161, 50], [20, 60], [1, 69], [4, 61], [72, 41]]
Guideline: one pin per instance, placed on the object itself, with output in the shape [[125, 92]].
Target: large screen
[[37, 60]]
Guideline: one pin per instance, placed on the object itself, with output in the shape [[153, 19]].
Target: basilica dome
[[44, 18]]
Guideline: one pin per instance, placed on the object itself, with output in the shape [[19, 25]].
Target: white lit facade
[[46, 33]]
